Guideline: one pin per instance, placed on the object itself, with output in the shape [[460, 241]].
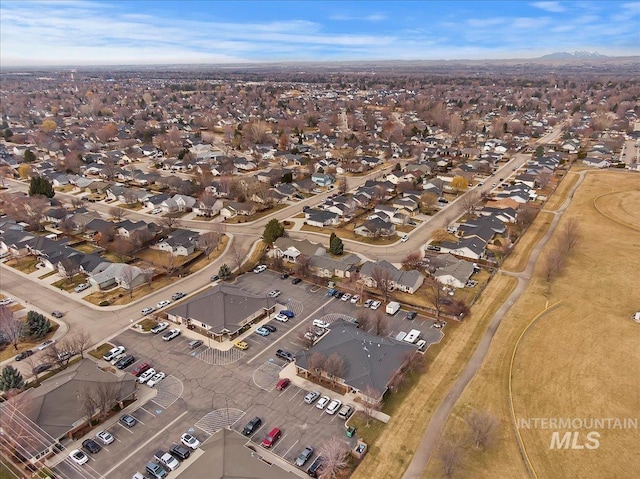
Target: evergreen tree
[[29, 156], [41, 186], [224, 272], [11, 379], [37, 326], [335, 245], [272, 231]]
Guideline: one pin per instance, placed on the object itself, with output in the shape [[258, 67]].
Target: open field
[[517, 260], [409, 417], [561, 192], [580, 360]]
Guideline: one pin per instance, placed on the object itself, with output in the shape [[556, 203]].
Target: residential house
[[596, 162], [406, 281], [323, 179], [233, 208], [326, 266], [320, 218], [472, 248], [290, 249], [179, 242], [375, 228]]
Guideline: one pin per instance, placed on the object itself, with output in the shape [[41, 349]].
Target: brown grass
[[26, 265], [101, 350], [257, 216], [579, 361], [9, 351], [517, 260], [390, 456], [560, 195], [347, 233]]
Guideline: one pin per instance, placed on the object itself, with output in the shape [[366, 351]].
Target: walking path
[[436, 425]]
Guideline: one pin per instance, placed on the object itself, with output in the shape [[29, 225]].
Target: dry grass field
[[517, 260], [581, 360]]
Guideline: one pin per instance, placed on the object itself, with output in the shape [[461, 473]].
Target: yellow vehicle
[[241, 345]]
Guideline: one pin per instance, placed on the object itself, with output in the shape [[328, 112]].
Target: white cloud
[[374, 17], [553, 7]]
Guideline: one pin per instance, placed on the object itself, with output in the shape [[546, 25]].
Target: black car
[[411, 315], [91, 446], [24, 355], [252, 426], [283, 354], [125, 362], [271, 329], [284, 275], [180, 452], [314, 468], [40, 368], [296, 280], [338, 294]]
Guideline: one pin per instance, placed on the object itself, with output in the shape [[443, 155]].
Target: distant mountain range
[[572, 55]]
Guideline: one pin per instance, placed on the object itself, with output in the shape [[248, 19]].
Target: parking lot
[[207, 388]]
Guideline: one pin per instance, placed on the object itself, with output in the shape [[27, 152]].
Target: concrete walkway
[[436, 426]]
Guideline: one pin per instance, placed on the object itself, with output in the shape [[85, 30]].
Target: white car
[[145, 376], [404, 238], [163, 303], [148, 310], [322, 402], [117, 358], [155, 211], [169, 461], [189, 441], [81, 287], [172, 333], [274, 294], [157, 377], [105, 437], [259, 269], [355, 298], [281, 317], [334, 406], [46, 344], [113, 352], [158, 328], [375, 305], [346, 297], [5, 301], [78, 457], [320, 323]]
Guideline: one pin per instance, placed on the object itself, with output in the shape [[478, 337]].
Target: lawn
[[68, 284], [257, 216], [101, 350], [46, 275], [584, 353], [118, 296], [347, 233], [558, 197], [26, 265], [86, 247], [9, 351], [132, 206], [445, 360], [517, 259]]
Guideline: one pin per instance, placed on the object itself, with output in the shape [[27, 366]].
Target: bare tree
[[70, 268], [363, 316], [67, 226], [383, 280], [88, 404], [18, 433], [334, 366], [439, 235], [81, 340], [470, 201], [127, 277], [371, 403], [412, 261], [570, 235], [305, 341], [379, 324], [60, 353], [106, 395], [170, 222], [483, 428], [316, 364], [208, 242], [335, 457], [451, 455], [77, 202], [238, 255], [303, 267], [10, 326], [435, 295], [148, 274], [118, 212]]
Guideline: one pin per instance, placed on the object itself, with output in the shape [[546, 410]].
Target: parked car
[[91, 446], [5, 301], [288, 313], [320, 323], [272, 329], [311, 397], [367, 303], [156, 378], [283, 383], [167, 460], [346, 297], [355, 298], [334, 406], [158, 328], [242, 345], [304, 456], [140, 368], [78, 457], [117, 358], [215, 277], [180, 452], [156, 470], [23, 355], [125, 362], [113, 352], [422, 345], [57, 314], [259, 269], [128, 420], [322, 402], [177, 296], [432, 247], [163, 303], [171, 334], [346, 411], [274, 294], [148, 310], [81, 287], [262, 331], [145, 376], [46, 344], [404, 238], [195, 343], [40, 368], [284, 275], [105, 437], [315, 467], [190, 441], [411, 315], [271, 438], [296, 280], [252, 426], [375, 305], [283, 354], [281, 317]]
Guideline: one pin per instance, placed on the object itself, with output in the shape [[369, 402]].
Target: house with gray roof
[[320, 218], [290, 249], [406, 281], [375, 227], [222, 311], [340, 266], [370, 362], [455, 274], [179, 242], [472, 248]]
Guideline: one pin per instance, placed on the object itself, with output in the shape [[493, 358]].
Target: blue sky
[[86, 32]]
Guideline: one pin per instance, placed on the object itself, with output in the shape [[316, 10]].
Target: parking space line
[[281, 441], [289, 450], [138, 419], [294, 396], [148, 412], [126, 428]]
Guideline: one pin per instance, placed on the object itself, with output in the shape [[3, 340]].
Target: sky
[[130, 32]]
